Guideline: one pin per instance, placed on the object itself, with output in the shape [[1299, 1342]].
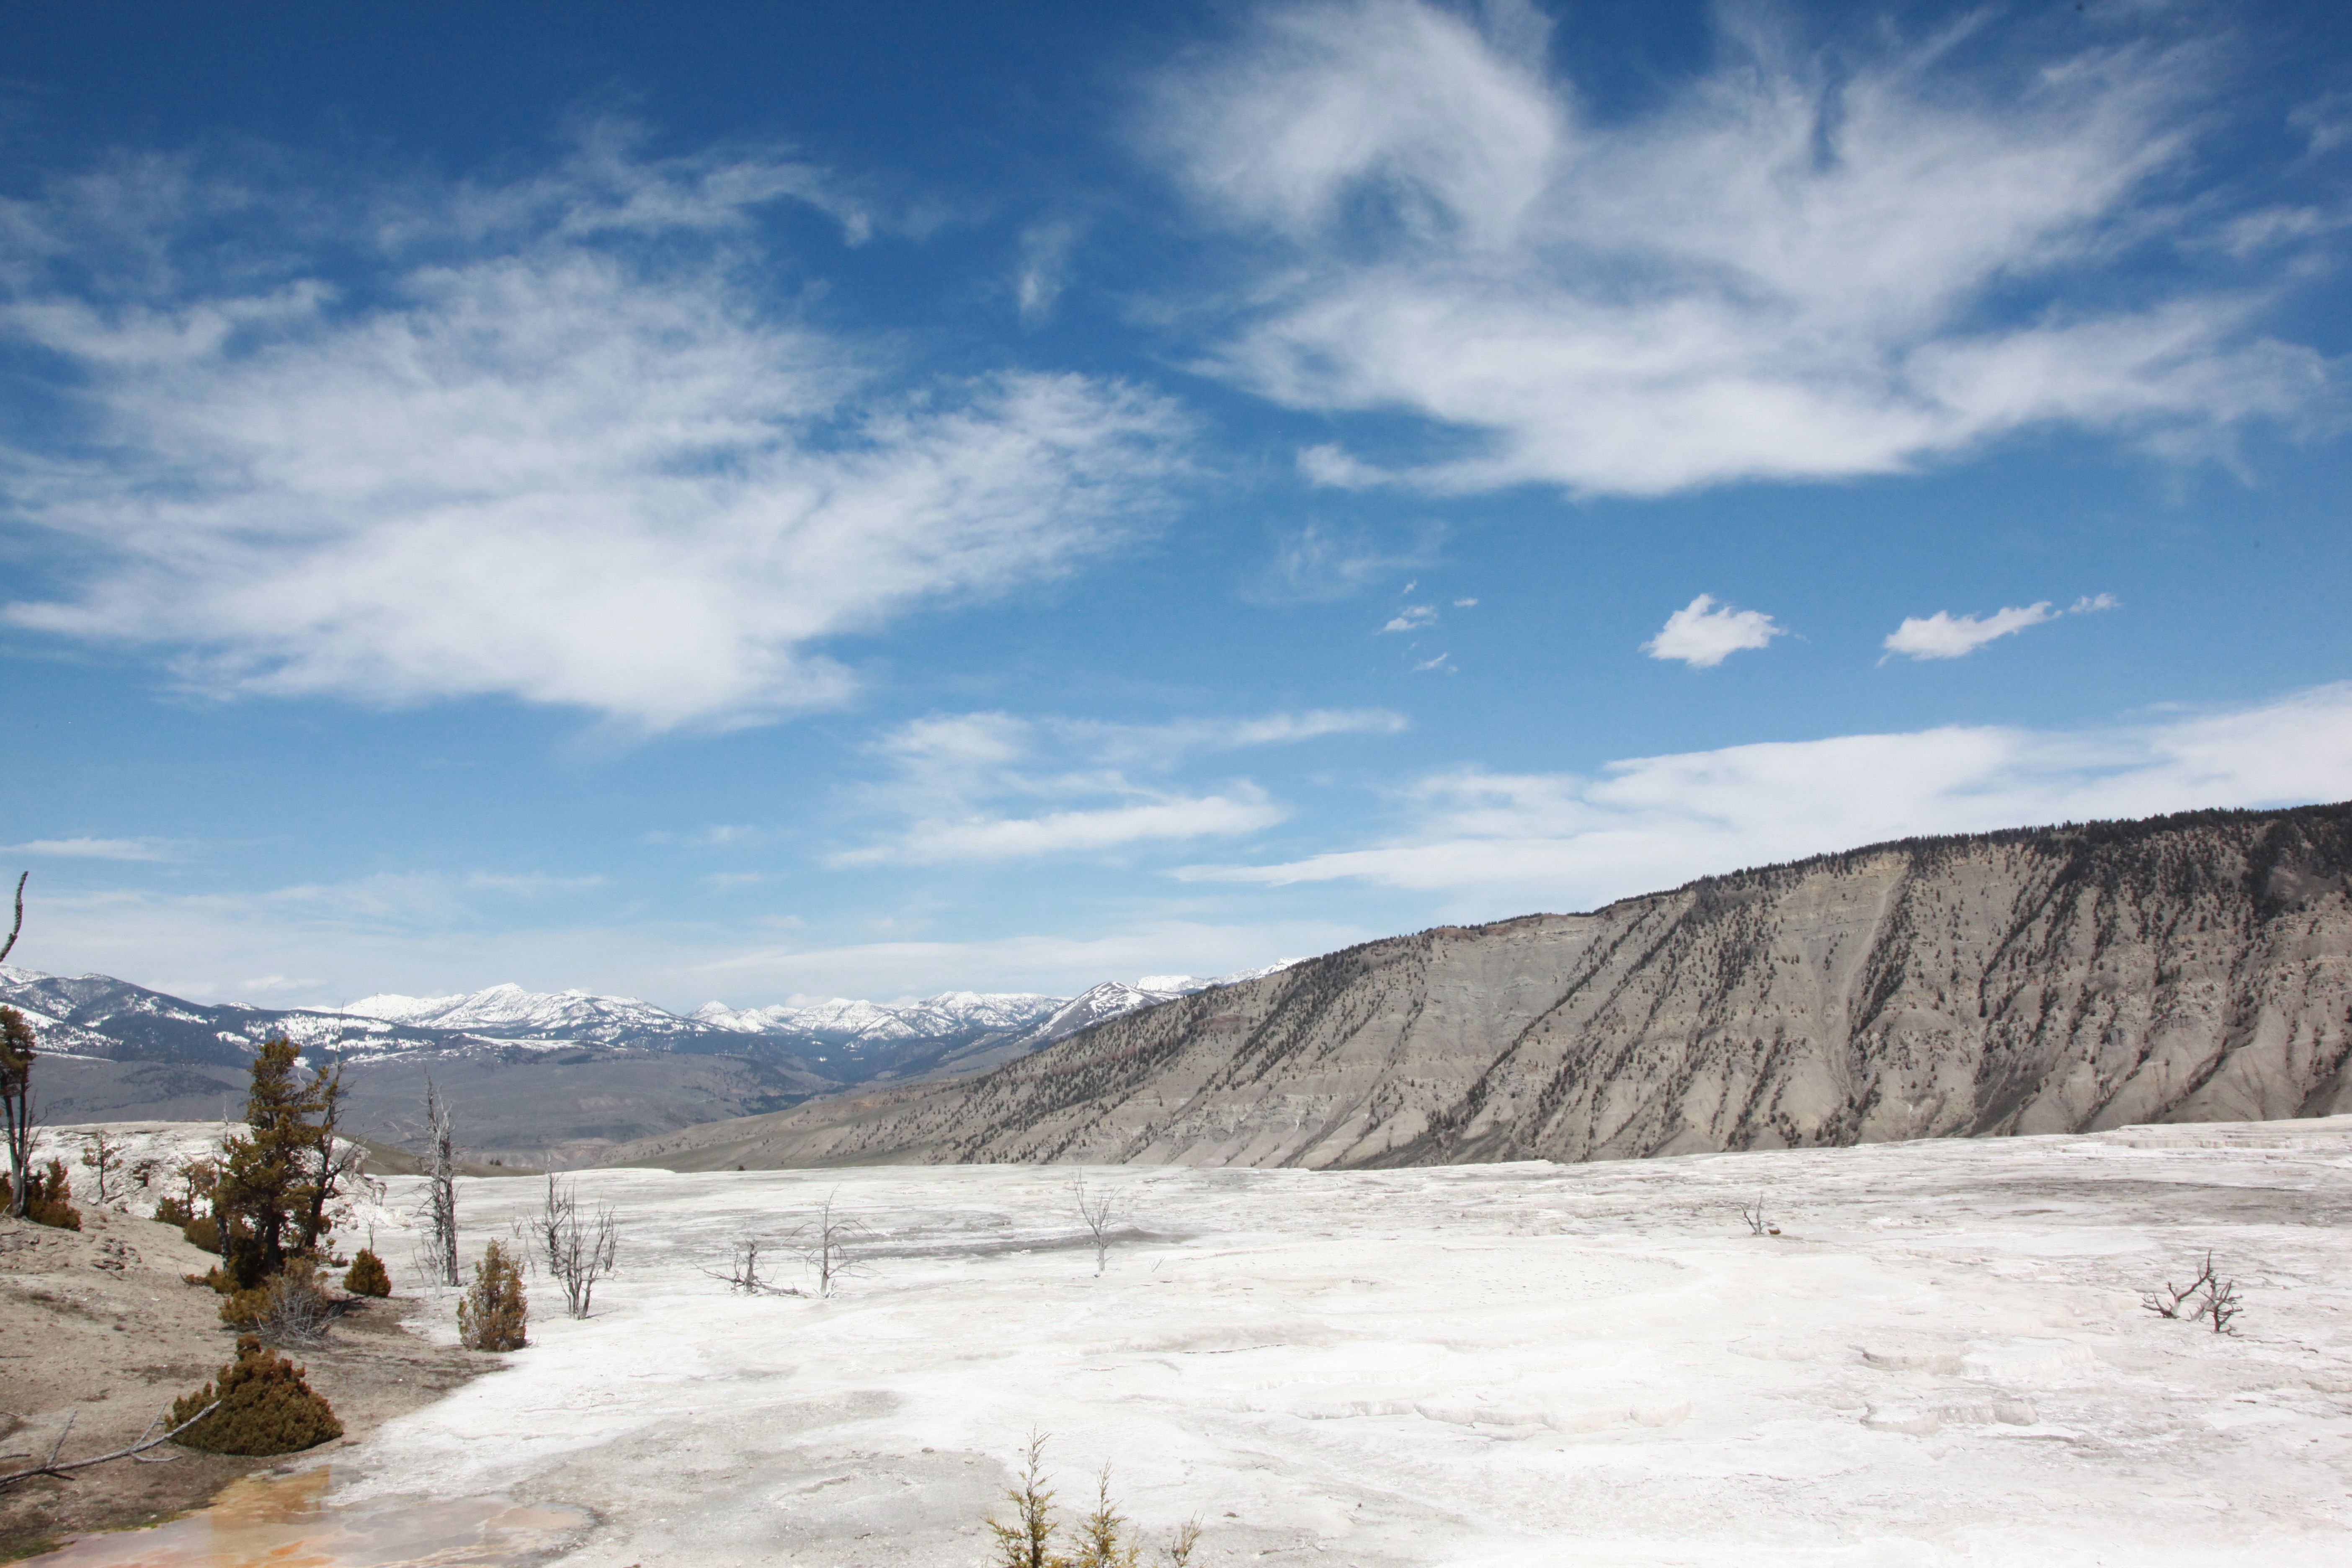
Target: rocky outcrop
[[2182, 969]]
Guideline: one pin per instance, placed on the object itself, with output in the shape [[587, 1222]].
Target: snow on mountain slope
[[509, 1010], [1112, 998], [852, 1022]]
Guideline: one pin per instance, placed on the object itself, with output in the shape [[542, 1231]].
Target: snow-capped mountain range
[[841, 1039]]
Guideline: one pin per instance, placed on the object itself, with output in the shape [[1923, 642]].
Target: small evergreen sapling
[[266, 1407], [367, 1276], [48, 1198], [493, 1313]]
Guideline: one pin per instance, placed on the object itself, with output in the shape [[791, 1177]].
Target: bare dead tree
[[829, 1244], [742, 1270], [1102, 1210], [17, 930], [104, 1156], [1754, 1215], [20, 1116], [440, 1165], [578, 1252]]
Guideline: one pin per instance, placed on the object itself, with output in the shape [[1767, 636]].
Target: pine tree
[[367, 1276], [277, 1176], [493, 1312], [266, 1407]]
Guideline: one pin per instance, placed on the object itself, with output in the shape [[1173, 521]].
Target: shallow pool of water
[[290, 1521]]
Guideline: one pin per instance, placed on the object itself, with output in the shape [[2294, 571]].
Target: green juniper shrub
[[367, 1276], [172, 1211], [492, 1315], [47, 1198], [203, 1233], [266, 1407]]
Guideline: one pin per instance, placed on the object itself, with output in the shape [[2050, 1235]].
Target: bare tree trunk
[[440, 1185], [14, 930], [16, 1043]]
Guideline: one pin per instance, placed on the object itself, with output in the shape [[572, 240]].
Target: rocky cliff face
[[2182, 969]]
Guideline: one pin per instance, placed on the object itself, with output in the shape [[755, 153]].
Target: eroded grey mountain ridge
[[2181, 968]]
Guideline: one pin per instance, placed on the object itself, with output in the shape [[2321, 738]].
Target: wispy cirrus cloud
[[562, 440], [993, 786], [91, 848], [1500, 844], [1788, 271], [1703, 634]]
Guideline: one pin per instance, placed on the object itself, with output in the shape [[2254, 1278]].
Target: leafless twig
[[2169, 1301]]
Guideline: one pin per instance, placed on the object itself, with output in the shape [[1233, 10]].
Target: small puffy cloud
[[1703, 634], [2091, 603], [1945, 636], [1443, 662], [1412, 618], [1464, 604], [90, 849]]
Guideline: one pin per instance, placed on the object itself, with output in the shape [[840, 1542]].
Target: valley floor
[[1941, 1360]]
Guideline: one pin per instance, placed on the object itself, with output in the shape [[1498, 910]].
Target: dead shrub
[[266, 1407], [287, 1309], [493, 1314]]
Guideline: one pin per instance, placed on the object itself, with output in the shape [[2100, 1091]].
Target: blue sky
[[744, 502]]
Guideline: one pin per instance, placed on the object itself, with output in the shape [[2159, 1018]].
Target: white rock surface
[[1940, 1360]]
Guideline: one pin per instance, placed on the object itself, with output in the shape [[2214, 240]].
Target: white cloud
[[1702, 635], [1411, 618], [2090, 603], [90, 849], [1783, 272], [1945, 636], [1246, 810], [1502, 843], [957, 776], [559, 447], [1321, 563], [1044, 268]]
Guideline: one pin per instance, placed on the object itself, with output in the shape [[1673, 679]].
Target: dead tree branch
[[16, 929], [2169, 1301], [50, 1467]]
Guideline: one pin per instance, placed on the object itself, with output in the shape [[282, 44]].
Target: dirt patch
[[101, 1327]]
